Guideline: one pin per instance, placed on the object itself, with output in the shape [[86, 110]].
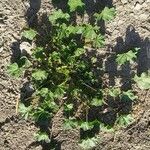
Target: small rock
[[138, 6], [29, 88], [1, 49], [120, 22], [25, 48]]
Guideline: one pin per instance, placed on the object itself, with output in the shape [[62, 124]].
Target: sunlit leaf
[[68, 107], [42, 136], [114, 92], [98, 41], [70, 123], [14, 70], [125, 120], [143, 81], [75, 4], [39, 75], [107, 14], [24, 111], [126, 57], [29, 34], [86, 126], [58, 15], [88, 143], [129, 95], [96, 102]]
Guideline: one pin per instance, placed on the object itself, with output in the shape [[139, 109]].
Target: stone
[[138, 6], [25, 48], [1, 49]]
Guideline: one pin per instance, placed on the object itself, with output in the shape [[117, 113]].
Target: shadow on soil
[[107, 113], [31, 14]]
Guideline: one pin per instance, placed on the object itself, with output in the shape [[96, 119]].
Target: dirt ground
[[130, 28]]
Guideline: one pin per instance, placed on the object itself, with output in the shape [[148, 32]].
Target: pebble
[[1, 49], [138, 6], [29, 87], [25, 47], [120, 22]]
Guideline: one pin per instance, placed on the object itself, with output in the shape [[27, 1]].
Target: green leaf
[[70, 123], [93, 60], [71, 30], [24, 111], [89, 143], [125, 120], [114, 92], [42, 136], [38, 53], [29, 34], [79, 52], [41, 113], [126, 57], [107, 14], [75, 4], [98, 42], [51, 95], [68, 107], [50, 105], [106, 128], [58, 15], [64, 70], [55, 57], [43, 92], [90, 32], [76, 92], [86, 126], [24, 62], [14, 70], [143, 81], [39, 75], [96, 102], [59, 91], [79, 29], [129, 95]]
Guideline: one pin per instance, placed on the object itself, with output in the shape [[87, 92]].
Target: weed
[[62, 74]]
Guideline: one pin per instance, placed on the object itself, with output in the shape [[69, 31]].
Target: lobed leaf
[[57, 15], [29, 34], [96, 102], [39, 75], [86, 126], [125, 120], [88, 143], [14, 70], [42, 136], [75, 4], [126, 57], [24, 111], [129, 95], [143, 81], [107, 14]]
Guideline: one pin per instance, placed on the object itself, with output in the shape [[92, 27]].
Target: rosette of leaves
[[61, 72]]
